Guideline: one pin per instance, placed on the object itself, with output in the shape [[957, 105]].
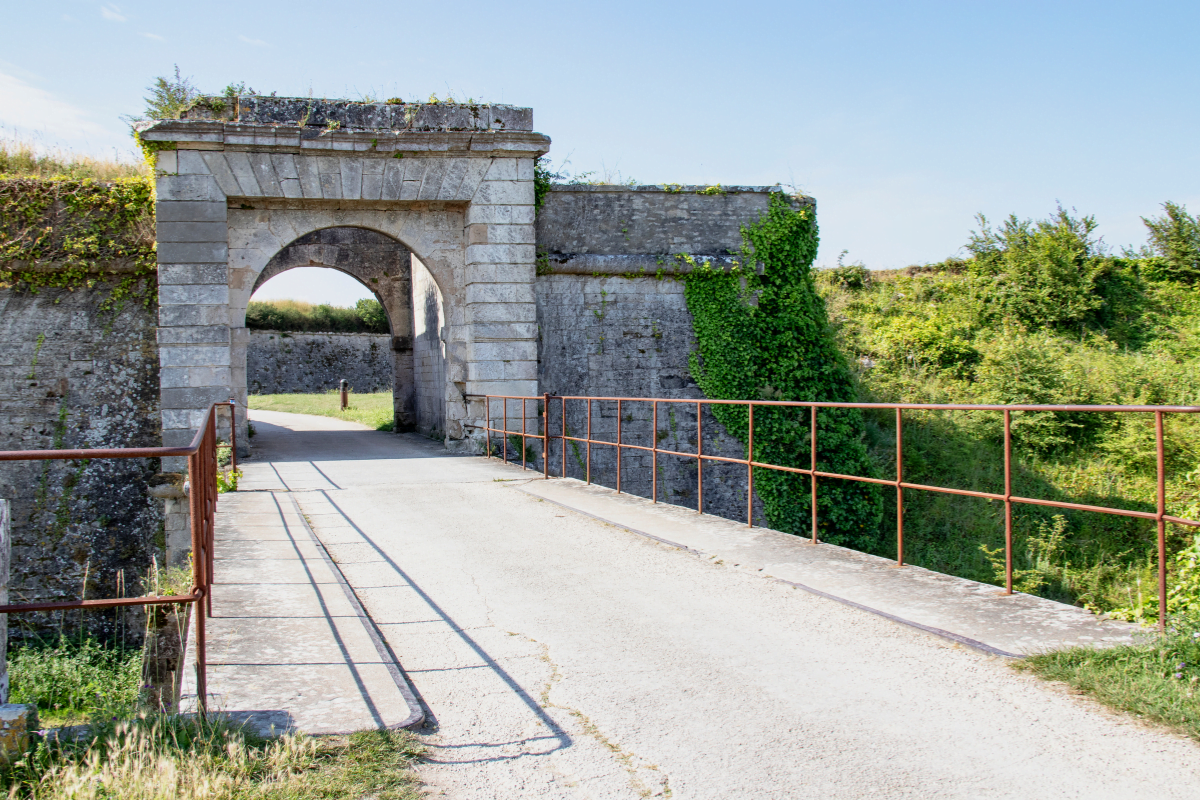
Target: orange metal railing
[[202, 495], [1159, 516]]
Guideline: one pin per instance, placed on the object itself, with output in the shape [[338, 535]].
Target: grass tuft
[[1157, 680], [73, 681], [371, 408], [168, 757]]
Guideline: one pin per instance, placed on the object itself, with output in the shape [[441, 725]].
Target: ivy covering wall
[[72, 233], [762, 333]]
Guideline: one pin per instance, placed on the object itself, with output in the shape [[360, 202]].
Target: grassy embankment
[[1041, 313], [373, 409]]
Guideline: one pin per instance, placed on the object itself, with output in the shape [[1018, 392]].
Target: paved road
[[559, 657]]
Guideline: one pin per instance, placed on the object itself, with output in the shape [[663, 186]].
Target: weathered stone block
[[199, 356], [193, 252], [194, 334], [191, 162], [193, 315], [188, 187], [207, 232], [17, 724], [193, 273], [193, 294], [189, 211]]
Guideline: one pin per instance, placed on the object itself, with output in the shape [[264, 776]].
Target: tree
[[169, 98], [1175, 239]]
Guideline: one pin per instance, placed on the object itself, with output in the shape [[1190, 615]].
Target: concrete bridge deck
[[555, 652]]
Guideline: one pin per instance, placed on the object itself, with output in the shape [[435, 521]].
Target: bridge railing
[[201, 490], [1159, 516]]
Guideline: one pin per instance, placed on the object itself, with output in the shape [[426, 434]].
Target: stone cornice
[[210, 135]]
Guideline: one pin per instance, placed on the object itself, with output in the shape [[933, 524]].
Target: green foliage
[[941, 334], [75, 679], [1157, 680], [543, 178], [71, 233], [368, 316], [1175, 239], [374, 409], [762, 332], [1052, 273], [169, 97]]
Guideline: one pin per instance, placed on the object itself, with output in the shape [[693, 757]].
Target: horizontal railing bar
[[112, 452], [155, 600], [879, 481], [887, 406]]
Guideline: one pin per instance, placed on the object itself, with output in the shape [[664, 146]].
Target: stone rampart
[[278, 362], [73, 376]]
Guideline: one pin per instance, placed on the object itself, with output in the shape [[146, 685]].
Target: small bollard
[[345, 385]]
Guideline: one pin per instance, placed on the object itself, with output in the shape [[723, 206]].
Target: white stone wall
[[429, 352]]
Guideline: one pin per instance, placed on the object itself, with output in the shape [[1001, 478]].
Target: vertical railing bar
[[233, 432], [199, 564], [699, 459], [546, 435], [750, 471], [1008, 506], [899, 488], [487, 428], [813, 466], [589, 441], [524, 411], [564, 437], [1162, 525], [654, 453], [618, 447], [504, 435]]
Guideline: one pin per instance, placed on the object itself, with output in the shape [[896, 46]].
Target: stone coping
[[318, 113]]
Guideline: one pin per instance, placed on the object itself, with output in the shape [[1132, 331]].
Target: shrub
[[368, 316], [1175, 238]]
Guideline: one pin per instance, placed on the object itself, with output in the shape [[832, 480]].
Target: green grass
[[168, 757], [1157, 680], [373, 409], [73, 681]]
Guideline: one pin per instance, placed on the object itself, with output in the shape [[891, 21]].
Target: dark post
[[345, 389]]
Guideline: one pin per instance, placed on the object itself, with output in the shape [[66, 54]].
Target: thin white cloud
[[255, 42], [68, 18], [33, 114], [154, 36], [112, 13]]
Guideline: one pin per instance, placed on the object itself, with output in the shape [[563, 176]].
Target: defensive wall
[[433, 208]]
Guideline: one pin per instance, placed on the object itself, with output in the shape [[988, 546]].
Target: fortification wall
[[278, 362], [604, 330], [72, 376]]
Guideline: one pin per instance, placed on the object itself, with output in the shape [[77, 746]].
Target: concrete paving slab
[[289, 648], [978, 615]]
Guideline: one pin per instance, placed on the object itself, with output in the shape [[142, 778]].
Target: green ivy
[[71, 234], [762, 333]]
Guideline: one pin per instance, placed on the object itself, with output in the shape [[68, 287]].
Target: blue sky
[[903, 119]]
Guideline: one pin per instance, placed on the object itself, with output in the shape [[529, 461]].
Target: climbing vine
[[71, 234], [762, 333]]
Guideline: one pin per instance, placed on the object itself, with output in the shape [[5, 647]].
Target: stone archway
[[239, 180], [381, 264]]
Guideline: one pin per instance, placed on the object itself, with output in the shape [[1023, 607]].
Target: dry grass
[[177, 758], [25, 160]]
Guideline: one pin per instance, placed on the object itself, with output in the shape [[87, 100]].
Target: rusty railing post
[[504, 435], [899, 488], [1162, 525], [654, 453], [750, 471], [524, 411], [813, 445], [1008, 536], [233, 433], [546, 435], [618, 447], [199, 562], [699, 459], [589, 441], [564, 437], [487, 428]]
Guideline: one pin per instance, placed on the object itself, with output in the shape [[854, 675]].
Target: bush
[[368, 316], [1175, 238]]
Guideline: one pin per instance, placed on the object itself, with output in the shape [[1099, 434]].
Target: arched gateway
[[245, 185]]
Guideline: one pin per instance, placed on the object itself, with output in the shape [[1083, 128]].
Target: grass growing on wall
[[20, 159], [373, 408]]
